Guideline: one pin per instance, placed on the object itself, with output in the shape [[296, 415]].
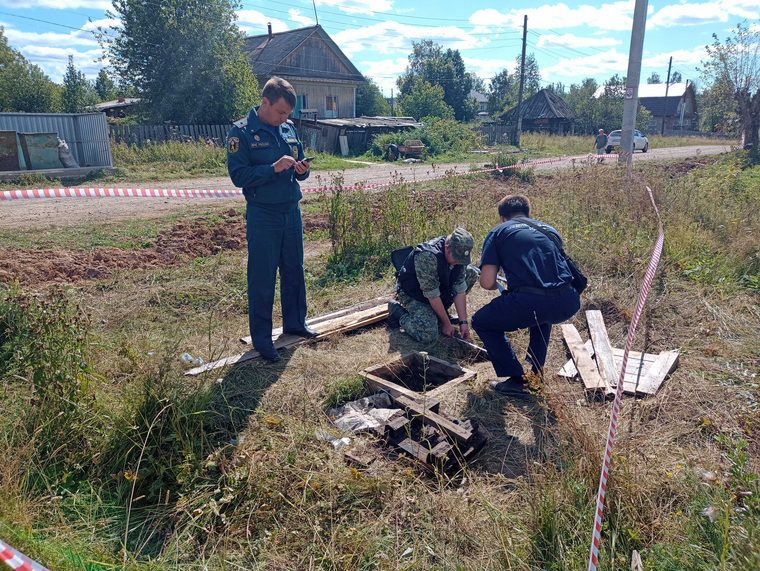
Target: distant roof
[[396, 122], [116, 103], [543, 105], [268, 52], [650, 90], [479, 97]]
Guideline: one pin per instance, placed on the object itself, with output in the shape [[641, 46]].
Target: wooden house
[[545, 111], [325, 80], [677, 110]]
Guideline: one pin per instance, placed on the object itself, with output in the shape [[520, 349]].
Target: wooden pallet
[[596, 362]]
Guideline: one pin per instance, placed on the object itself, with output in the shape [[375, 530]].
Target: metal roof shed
[[85, 133]]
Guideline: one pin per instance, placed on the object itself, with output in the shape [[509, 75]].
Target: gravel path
[[53, 212]]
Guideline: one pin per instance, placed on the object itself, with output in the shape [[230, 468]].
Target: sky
[[570, 40]]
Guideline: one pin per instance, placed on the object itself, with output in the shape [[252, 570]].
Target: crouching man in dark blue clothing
[[266, 159], [538, 292]]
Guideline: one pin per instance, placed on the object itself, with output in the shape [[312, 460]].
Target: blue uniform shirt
[[252, 150], [527, 257]]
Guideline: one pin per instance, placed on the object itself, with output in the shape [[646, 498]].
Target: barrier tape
[[226, 193], [17, 560], [648, 277]]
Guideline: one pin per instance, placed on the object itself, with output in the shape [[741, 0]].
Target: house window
[[331, 106], [302, 102], [653, 123]]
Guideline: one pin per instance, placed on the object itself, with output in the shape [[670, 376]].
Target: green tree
[[581, 100], [24, 86], [370, 101], [734, 67], [185, 57], [77, 93], [654, 78], [505, 87], [105, 87], [424, 100], [675, 77], [445, 69]]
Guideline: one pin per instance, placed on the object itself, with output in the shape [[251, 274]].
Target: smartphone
[[309, 159]]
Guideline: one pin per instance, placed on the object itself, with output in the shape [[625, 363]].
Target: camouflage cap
[[460, 245]]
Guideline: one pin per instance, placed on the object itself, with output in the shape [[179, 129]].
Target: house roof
[[661, 105], [373, 122], [116, 103], [268, 53], [650, 90], [543, 105], [477, 96]]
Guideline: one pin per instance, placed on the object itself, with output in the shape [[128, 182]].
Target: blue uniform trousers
[[514, 310], [275, 239]]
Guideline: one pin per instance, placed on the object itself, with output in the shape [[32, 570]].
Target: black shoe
[[515, 387], [395, 312], [268, 353], [306, 332]]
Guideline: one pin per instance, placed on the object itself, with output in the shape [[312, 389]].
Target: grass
[[110, 457]]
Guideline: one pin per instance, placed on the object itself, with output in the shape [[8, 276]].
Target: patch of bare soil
[[173, 247]]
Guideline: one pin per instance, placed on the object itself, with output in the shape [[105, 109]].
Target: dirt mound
[[199, 238]]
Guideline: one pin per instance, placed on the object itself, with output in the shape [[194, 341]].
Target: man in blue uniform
[[538, 294], [266, 159]]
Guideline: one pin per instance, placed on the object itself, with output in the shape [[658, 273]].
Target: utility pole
[[665, 105], [522, 83], [632, 80]]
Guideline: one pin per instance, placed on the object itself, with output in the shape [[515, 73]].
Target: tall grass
[[114, 459]]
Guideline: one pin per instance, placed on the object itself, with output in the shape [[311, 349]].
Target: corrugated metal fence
[[85, 133]]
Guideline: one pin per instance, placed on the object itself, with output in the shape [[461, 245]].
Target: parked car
[[640, 142]]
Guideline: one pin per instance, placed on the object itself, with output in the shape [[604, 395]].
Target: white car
[[640, 142]]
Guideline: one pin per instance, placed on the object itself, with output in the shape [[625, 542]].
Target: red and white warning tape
[[220, 193], [648, 277], [17, 560]]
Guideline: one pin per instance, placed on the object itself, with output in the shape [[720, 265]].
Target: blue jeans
[[514, 310], [275, 239]]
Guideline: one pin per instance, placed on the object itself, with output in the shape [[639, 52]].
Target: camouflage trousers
[[421, 323]]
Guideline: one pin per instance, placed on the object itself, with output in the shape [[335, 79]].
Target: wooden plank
[[396, 391], [378, 301], [590, 376], [431, 418], [605, 360], [343, 325], [666, 363]]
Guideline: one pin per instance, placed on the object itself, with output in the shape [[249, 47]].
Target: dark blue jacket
[[252, 150]]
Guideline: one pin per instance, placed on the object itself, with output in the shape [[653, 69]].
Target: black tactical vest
[[407, 276]]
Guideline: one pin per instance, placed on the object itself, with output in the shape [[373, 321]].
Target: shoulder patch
[[240, 123], [233, 144]]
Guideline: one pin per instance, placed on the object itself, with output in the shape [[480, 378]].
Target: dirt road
[[54, 212]]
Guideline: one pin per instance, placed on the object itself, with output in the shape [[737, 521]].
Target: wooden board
[[433, 419], [396, 391], [666, 363], [333, 315], [636, 370], [326, 329], [590, 376], [605, 360]]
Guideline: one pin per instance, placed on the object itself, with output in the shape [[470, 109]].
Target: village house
[[323, 77], [545, 111]]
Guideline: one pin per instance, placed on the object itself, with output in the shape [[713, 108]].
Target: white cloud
[[572, 41], [614, 16], [358, 6], [600, 65], [706, 13], [253, 22], [59, 4], [384, 72], [487, 68], [392, 37], [53, 60], [300, 19], [74, 38]]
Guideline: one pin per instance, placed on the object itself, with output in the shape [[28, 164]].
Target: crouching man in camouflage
[[433, 276]]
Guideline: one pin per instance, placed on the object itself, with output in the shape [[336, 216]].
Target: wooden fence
[[141, 134], [495, 134]]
